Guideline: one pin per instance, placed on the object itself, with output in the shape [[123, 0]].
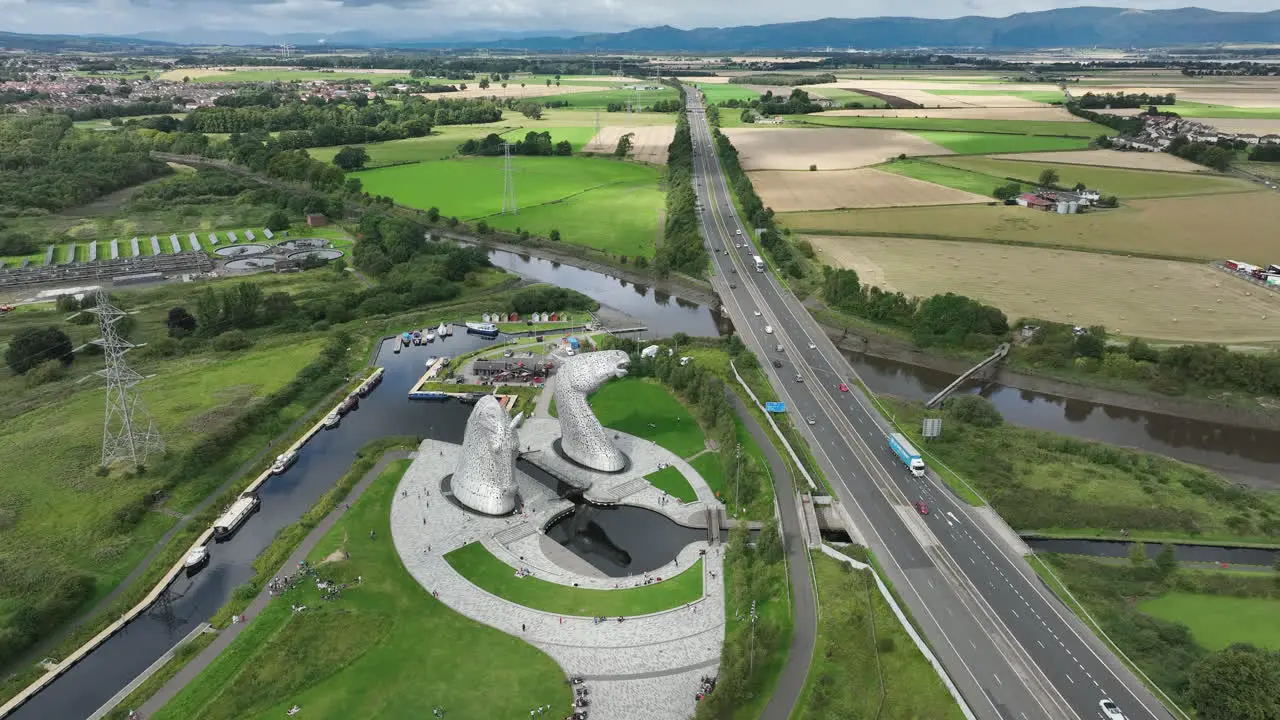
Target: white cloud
[[427, 18]]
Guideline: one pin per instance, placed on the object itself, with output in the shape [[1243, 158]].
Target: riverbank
[[895, 349]]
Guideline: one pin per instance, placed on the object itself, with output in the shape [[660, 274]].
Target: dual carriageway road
[[1012, 649]]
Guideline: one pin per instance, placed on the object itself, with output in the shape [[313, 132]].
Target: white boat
[[231, 520], [196, 560], [482, 328], [431, 361], [442, 331], [431, 336], [332, 419], [283, 462], [448, 330]]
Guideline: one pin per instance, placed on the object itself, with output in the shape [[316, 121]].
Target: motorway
[[1010, 647]]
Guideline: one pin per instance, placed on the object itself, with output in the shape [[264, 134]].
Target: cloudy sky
[[428, 18]]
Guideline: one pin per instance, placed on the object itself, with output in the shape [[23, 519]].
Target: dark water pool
[[622, 540]]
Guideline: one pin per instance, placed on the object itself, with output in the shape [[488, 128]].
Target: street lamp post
[[751, 659], [737, 474]]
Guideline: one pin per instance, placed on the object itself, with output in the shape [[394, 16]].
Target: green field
[[603, 98], [646, 409], [586, 117], [952, 177], [477, 564], [443, 142], [840, 96], [1217, 622], [719, 92], [863, 651], [364, 654], [286, 75], [976, 143], [1053, 97], [574, 195], [1108, 181], [1048, 128], [1209, 110], [672, 482]]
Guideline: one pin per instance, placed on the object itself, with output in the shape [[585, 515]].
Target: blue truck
[[901, 447]]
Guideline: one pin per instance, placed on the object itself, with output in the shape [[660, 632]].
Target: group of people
[[705, 687], [523, 572]]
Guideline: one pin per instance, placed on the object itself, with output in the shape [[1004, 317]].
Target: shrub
[[233, 340], [974, 410], [46, 372]]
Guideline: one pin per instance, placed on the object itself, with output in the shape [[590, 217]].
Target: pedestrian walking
[[521, 627]]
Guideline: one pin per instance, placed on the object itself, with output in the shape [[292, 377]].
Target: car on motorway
[[777, 363], [812, 419], [739, 231], [768, 329], [813, 346], [799, 377], [778, 347], [757, 313], [844, 388], [1110, 710], [921, 507], [733, 286], [733, 270]]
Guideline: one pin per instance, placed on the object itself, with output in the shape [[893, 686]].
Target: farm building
[[1035, 202]]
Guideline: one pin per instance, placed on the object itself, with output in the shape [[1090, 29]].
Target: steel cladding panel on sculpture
[[485, 478], [582, 437]]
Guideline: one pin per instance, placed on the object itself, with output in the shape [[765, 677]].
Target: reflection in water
[[622, 540], [1247, 454]]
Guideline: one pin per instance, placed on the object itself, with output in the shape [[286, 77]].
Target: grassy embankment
[[865, 665], [1166, 620], [1049, 484], [363, 654], [568, 194]]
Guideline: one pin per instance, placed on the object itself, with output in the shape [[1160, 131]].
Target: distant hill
[[1066, 28], [60, 43]]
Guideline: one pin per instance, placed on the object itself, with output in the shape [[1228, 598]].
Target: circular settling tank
[[303, 244], [239, 250], [329, 254], [250, 263]]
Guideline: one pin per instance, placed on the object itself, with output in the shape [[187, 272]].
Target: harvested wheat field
[[1239, 226], [834, 149], [1158, 299], [648, 143], [1038, 112], [797, 190], [1111, 158], [1011, 102], [1257, 126]]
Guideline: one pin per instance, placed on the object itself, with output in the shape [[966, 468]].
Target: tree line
[[947, 320], [1092, 101], [534, 143], [783, 79], [682, 244], [380, 120]]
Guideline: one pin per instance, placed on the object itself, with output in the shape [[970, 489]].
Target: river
[[387, 411]]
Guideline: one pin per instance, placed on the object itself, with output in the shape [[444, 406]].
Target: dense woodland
[[682, 244], [46, 165], [356, 121], [1096, 101]]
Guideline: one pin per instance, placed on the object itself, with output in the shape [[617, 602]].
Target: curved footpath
[[228, 635], [804, 633]]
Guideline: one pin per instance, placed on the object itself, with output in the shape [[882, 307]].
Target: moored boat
[[482, 328], [332, 419], [284, 461], [431, 336], [231, 520], [196, 560]]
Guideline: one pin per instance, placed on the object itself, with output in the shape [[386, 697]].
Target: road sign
[[775, 407], [932, 427]]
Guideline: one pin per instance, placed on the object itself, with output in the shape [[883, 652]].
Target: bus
[[759, 263]]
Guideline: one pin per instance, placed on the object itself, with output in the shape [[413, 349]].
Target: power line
[[129, 433]]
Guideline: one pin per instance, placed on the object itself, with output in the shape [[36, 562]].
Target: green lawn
[[1053, 97], [1217, 622], [952, 177], [478, 565], [978, 143], [385, 649], [1109, 181], [646, 409], [443, 142], [1209, 110], [1085, 130], [672, 482], [602, 99], [860, 645], [472, 187]]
